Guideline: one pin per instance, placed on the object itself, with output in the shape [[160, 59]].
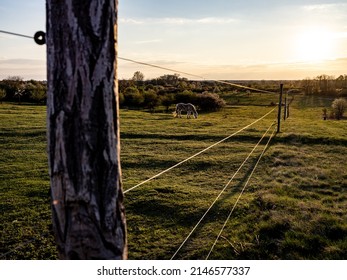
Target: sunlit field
[[293, 207]]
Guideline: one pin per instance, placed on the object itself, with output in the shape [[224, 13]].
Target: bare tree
[[307, 85], [138, 76], [83, 129]]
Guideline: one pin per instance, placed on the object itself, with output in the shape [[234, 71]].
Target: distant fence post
[[279, 110], [285, 107], [288, 111]]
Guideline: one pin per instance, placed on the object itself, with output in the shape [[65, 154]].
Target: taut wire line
[[160, 67], [241, 86], [16, 34], [242, 191], [202, 151], [213, 203], [193, 75], [151, 65]]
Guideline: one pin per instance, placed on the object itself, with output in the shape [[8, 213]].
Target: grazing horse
[[189, 108]]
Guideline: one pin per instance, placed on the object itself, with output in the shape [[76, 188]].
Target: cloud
[[324, 7], [26, 68], [267, 71], [214, 20], [148, 41], [21, 61], [179, 20], [130, 21], [316, 7], [207, 20]]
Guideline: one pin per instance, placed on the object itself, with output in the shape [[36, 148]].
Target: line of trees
[[150, 98], [325, 85], [134, 93], [14, 88], [167, 90]]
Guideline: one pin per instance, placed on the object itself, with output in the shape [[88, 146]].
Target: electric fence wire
[[160, 67], [157, 175], [16, 34], [155, 66], [198, 153], [193, 75], [242, 191], [240, 130], [221, 192]]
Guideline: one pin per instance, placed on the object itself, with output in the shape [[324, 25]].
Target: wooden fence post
[[279, 109], [285, 107], [288, 110], [83, 129]]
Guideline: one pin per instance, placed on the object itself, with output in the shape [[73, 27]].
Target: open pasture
[[293, 208]]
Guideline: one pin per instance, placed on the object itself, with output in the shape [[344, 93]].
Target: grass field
[[293, 208]]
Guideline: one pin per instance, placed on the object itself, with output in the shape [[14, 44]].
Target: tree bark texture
[[83, 129]]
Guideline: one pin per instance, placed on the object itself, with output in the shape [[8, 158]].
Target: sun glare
[[315, 45]]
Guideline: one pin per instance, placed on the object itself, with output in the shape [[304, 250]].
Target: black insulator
[[40, 37]]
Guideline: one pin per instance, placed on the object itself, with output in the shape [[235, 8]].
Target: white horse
[[189, 108]]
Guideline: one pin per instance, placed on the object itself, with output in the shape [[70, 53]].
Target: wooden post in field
[[83, 129], [285, 107], [288, 110], [279, 110]]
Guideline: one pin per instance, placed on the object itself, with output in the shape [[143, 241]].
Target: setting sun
[[315, 44]]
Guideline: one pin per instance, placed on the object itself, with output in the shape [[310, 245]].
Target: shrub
[[151, 99], [34, 91], [121, 98], [186, 96], [2, 94], [339, 107], [38, 95], [167, 100], [132, 97], [210, 102]]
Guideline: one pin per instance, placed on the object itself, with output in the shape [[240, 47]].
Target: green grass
[[296, 204], [293, 208], [241, 98], [24, 184]]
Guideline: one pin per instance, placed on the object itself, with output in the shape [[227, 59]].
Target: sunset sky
[[219, 39]]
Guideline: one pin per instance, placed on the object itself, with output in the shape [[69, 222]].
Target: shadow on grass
[[308, 140], [192, 137]]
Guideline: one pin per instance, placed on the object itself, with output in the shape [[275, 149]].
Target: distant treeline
[[15, 89], [167, 90], [325, 85]]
